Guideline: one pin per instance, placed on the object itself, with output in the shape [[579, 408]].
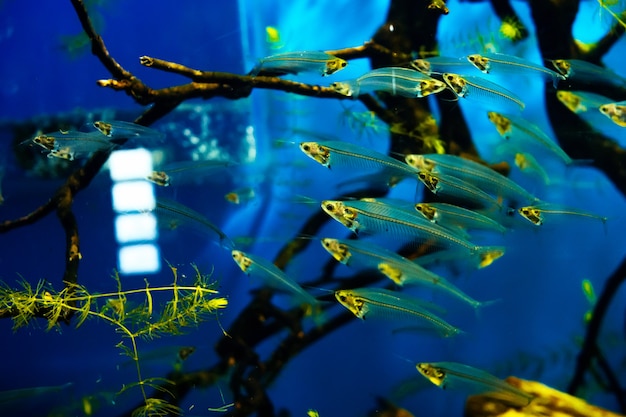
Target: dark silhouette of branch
[[589, 350]]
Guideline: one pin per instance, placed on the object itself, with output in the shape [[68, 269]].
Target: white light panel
[[139, 259], [132, 164], [133, 196], [135, 227]]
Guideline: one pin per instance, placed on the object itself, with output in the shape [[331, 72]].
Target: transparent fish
[[375, 218], [452, 216], [442, 64], [526, 162], [482, 92], [159, 178], [273, 38], [117, 129], [536, 214], [343, 154], [478, 175], [241, 195], [15, 396], [71, 144], [402, 311], [185, 172], [496, 63], [581, 101], [439, 5], [526, 134], [348, 88], [458, 191], [616, 112], [397, 268], [272, 276], [172, 215], [397, 81], [586, 72], [46, 141], [452, 375], [297, 62]]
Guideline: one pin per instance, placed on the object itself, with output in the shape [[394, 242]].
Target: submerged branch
[[589, 349]]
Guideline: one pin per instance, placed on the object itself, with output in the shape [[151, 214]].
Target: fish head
[[571, 101], [317, 152], [338, 211], [432, 373], [562, 66], [430, 181], [338, 250], [63, 153], [480, 62], [456, 83], [104, 127], [419, 162], [45, 141], [242, 260], [342, 88], [391, 272], [421, 65], [609, 109], [333, 65], [426, 210], [532, 214], [501, 122], [159, 178], [428, 87], [353, 303]]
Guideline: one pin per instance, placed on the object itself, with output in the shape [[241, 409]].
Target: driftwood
[[548, 402]]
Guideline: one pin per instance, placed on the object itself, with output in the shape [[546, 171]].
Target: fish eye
[[471, 58], [422, 176], [306, 147], [330, 207], [343, 64], [419, 207], [342, 298], [450, 77]]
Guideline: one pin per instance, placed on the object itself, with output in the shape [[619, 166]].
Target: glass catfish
[[404, 313], [273, 277], [344, 154], [399, 269], [380, 218], [297, 62], [453, 375], [397, 81], [482, 92], [495, 62]]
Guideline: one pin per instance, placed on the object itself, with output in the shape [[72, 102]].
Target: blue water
[[533, 332]]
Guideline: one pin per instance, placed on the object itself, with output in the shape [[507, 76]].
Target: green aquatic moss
[[132, 312]]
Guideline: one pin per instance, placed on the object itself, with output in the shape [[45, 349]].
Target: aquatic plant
[[189, 306], [409, 30]]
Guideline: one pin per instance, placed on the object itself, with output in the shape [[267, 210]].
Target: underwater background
[[543, 285]]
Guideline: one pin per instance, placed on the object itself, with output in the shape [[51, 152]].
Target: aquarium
[[381, 208]]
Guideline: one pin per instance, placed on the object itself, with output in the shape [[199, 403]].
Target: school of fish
[[468, 202]]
